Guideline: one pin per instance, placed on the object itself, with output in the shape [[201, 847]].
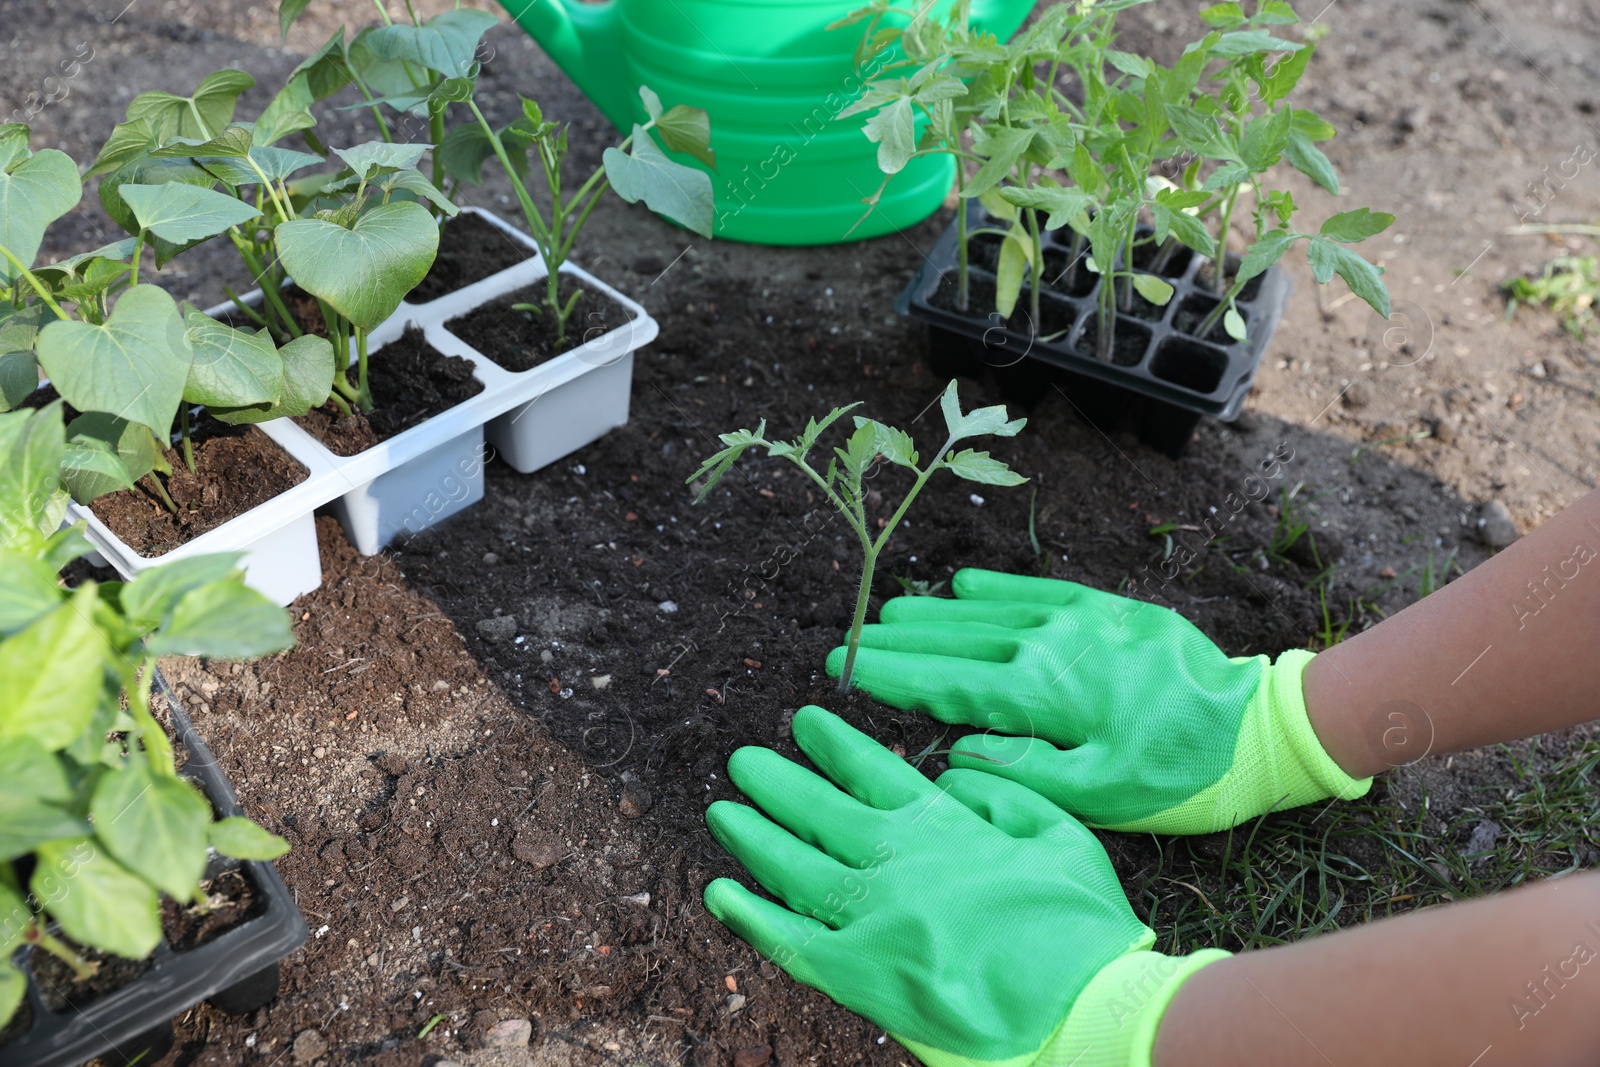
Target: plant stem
[[157, 749], [1032, 218], [361, 369], [133, 261], [44, 294], [183, 431], [863, 598], [963, 284], [38, 935], [1219, 265], [161, 491]]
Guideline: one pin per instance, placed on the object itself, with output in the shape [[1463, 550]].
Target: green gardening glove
[[1121, 712], [973, 920]]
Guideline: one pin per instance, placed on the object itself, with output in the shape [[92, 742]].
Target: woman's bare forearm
[[1507, 651], [1510, 979]]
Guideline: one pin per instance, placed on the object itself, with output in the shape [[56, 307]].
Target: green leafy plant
[[842, 480], [1567, 286], [90, 798], [425, 68]]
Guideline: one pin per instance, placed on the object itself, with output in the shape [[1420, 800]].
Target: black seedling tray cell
[[1161, 371], [237, 970]]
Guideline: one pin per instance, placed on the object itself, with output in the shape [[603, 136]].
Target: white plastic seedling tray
[[433, 470]]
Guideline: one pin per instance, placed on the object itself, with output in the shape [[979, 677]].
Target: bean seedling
[[849, 466]]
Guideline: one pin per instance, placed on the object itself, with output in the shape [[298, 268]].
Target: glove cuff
[[1113, 1022], [1308, 773]]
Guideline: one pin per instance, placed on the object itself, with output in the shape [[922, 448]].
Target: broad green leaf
[[279, 122], [681, 193], [362, 158], [66, 544], [1328, 258], [181, 213], [288, 11], [1226, 176], [231, 368], [1015, 256], [276, 163], [892, 444], [1309, 160], [19, 377], [244, 840], [417, 184], [1285, 74], [31, 446], [894, 130], [1276, 13], [444, 44], [464, 151], [232, 143], [96, 900], [307, 381], [13, 144], [366, 270], [28, 771], [155, 825], [135, 447], [50, 675], [1063, 204], [148, 171], [134, 366], [1225, 16], [90, 469], [1233, 323], [1198, 133], [33, 194], [1357, 225], [1186, 228], [223, 620], [1249, 42], [688, 129], [128, 141], [1263, 254], [28, 593], [1001, 149], [980, 467], [1264, 139], [28, 822], [990, 420], [75, 266], [997, 206], [13, 984], [1153, 289], [203, 114], [152, 595], [1129, 63], [652, 102]]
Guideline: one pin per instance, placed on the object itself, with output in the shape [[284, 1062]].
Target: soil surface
[[470, 250], [465, 842], [236, 469], [519, 340], [411, 382]]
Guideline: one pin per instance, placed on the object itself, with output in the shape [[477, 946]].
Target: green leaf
[[155, 825], [128, 141], [1328, 258], [95, 899], [1186, 228], [244, 840], [33, 194], [27, 823], [202, 115], [31, 446], [19, 377], [1001, 149], [13, 984], [90, 469], [134, 366], [894, 130], [688, 129], [1263, 254], [136, 450], [1285, 75], [1276, 13], [1130, 63], [464, 151], [1063, 204], [288, 11], [28, 593], [276, 163], [366, 270], [50, 675], [232, 143], [1198, 133], [13, 144], [444, 44], [153, 594], [652, 102], [223, 620], [362, 158], [1250, 42], [1264, 140], [1225, 16], [231, 368], [990, 420], [1357, 225], [1153, 289], [148, 171], [417, 184], [181, 213], [1015, 256], [1309, 160], [892, 444], [681, 193], [1233, 323], [29, 772], [308, 367], [980, 467]]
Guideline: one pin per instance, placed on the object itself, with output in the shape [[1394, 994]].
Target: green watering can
[[772, 77]]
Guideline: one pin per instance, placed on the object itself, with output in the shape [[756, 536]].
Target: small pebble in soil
[[755, 1056], [509, 1033], [636, 799], [977, 501], [1495, 526], [491, 558], [735, 1003], [1356, 395], [731, 982], [1482, 840], [600, 681], [309, 1045], [498, 629], [668, 606], [641, 899], [535, 849]]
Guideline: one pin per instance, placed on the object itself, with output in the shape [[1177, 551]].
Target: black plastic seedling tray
[[237, 970], [1163, 375]]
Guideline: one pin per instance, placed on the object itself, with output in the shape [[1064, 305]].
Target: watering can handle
[[585, 40]]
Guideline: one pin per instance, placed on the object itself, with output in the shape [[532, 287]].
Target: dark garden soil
[[1055, 316], [236, 469], [465, 842], [231, 899], [470, 250], [411, 382], [63, 991], [520, 340]]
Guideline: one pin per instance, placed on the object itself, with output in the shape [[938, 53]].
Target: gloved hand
[[973, 920], [1121, 712]]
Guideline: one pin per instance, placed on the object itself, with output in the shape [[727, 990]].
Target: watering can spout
[[585, 40]]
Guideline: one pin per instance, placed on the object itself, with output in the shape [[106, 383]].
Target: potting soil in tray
[[520, 340], [470, 249], [411, 382]]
